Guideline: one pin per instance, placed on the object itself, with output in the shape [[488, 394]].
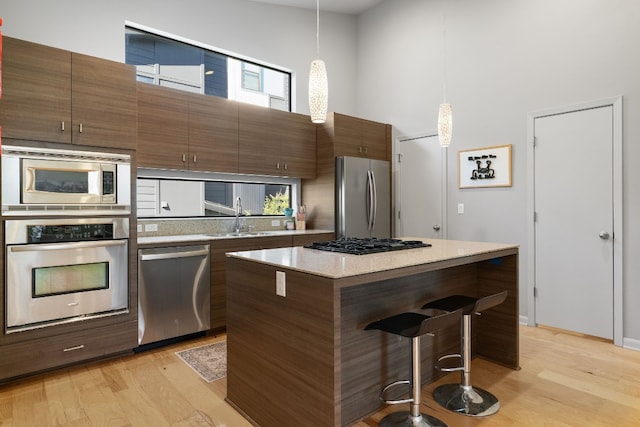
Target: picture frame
[[485, 167]]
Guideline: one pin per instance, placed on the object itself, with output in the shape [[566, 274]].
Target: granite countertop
[[337, 265], [206, 237]]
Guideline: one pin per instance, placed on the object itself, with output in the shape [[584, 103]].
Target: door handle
[[604, 235], [436, 227]]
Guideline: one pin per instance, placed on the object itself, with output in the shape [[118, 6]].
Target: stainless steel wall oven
[[65, 270]]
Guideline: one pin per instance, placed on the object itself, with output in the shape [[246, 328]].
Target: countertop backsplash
[[185, 226]]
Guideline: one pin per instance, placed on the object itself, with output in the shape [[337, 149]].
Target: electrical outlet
[[275, 223], [151, 227], [460, 208], [281, 283], [139, 228]]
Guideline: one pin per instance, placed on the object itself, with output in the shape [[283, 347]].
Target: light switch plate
[[281, 283], [275, 223], [151, 227], [460, 208]]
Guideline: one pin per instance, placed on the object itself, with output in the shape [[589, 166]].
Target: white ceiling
[[352, 7]]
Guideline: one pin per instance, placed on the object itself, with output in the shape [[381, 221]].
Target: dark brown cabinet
[[353, 136], [213, 134], [163, 127], [54, 95], [27, 357], [186, 131], [274, 142]]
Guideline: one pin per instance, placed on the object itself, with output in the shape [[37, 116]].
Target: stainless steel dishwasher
[[173, 292]]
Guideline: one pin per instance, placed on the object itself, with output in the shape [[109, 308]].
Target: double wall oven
[[66, 223]]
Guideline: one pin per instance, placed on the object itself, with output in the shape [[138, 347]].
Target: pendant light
[[445, 118], [318, 86]]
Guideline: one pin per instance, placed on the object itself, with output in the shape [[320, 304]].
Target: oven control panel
[[69, 233]]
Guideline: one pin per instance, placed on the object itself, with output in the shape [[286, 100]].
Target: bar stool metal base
[[405, 419], [466, 400]]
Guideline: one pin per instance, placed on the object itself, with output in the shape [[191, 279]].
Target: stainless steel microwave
[[64, 182]]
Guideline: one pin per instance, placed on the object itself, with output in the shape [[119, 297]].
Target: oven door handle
[[172, 255], [66, 245]]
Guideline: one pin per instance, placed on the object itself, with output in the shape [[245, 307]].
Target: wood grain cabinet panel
[[219, 269], [33, 356], [274, 142], [163, 127], [358, 137], [103, 103], [186, 131], [54, 95], [36, 92], [213, 134]]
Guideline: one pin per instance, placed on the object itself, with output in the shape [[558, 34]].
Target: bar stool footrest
[[449, 369], [405, 419], [466, 400], [391, 385]]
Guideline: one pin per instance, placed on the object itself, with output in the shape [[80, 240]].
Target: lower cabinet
[[41, 354]]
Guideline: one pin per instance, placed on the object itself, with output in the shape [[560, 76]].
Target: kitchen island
[[303, 358]]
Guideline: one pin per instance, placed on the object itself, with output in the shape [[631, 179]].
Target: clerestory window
[[166, 61]]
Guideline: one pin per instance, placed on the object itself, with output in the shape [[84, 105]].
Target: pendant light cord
[[317, 29], [444, 57]]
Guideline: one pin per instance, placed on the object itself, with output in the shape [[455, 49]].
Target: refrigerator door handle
[[373, 200]]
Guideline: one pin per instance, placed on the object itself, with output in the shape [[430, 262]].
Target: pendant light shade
[[318, 85], [318, 91], [445, 120]]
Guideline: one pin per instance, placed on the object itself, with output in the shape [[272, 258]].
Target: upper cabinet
[[103, 103], [163, 127], [213, 134], [353, 136], [274, 142], [54, 95], [186, 131]]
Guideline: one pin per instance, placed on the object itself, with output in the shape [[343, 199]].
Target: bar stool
[[464, 398], [412, 325]]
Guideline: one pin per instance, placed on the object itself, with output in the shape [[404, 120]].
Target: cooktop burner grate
[[364, 246]]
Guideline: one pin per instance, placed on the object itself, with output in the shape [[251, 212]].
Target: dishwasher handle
[[173, 254]]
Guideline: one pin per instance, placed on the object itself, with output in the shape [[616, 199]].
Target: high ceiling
[[352, 7]]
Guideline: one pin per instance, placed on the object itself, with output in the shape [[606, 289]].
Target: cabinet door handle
[[80, 127], [278, 165], [195, 159], [62, 126], [184, 157], [78, 347], [286, 166]]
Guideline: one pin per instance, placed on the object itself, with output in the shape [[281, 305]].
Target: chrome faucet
[[238, 213]]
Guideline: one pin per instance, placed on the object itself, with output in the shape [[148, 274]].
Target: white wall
[[505, 58], [282, 36]]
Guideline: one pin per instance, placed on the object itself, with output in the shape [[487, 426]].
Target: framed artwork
[[485, 167]]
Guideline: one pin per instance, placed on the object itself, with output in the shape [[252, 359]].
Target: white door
[[420, 187], [574, 212]]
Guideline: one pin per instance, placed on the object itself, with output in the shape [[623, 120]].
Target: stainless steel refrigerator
[[363, 198]]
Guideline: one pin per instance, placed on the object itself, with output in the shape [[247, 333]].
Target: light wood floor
[[565, 380]]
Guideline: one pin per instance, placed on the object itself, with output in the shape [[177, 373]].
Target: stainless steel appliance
[[365, 246], [174, 292], [65, 270], [42, 181], [363, 198]]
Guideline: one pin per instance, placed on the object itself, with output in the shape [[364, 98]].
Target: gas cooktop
[[364, 246]]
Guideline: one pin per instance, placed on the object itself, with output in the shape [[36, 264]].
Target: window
[[167, 62], [218, 200]]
